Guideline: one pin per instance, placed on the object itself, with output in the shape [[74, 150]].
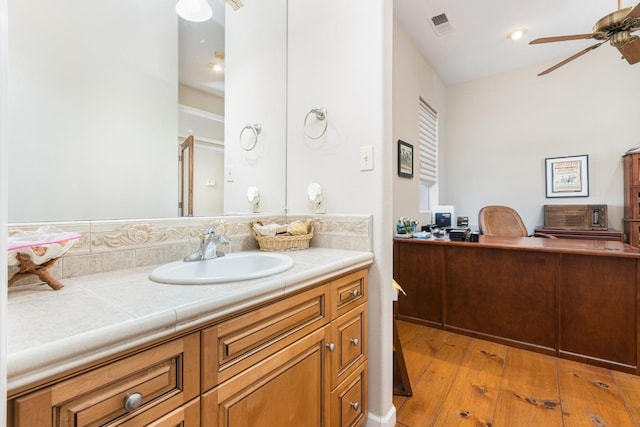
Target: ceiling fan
[[616, 28]]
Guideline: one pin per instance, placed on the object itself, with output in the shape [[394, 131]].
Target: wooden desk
[[576, 299], [610, 235]]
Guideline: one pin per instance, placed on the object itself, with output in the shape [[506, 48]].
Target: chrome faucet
[[209, 242]]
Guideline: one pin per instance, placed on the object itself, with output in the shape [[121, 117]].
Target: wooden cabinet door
[[349, 400], [289, 388], [348, 347]]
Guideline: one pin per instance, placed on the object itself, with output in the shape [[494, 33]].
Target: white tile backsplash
[[115, 245]]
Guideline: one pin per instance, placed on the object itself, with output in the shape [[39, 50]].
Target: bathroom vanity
[[284, 350]]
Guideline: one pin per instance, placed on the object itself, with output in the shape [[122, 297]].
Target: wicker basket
[[283, 243]]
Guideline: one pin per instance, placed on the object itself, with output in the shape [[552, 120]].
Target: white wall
[[340, 58], [208, 166], [413, 78], [500, 129], [72, 68], [3, 211], [256, 87]]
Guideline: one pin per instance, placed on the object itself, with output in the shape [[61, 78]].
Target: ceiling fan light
[[517, 34], [194, 10]]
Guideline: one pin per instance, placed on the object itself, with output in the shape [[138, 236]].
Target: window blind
[[428, 142]]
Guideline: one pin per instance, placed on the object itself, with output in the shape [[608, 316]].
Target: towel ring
[[255, 129], [320, 114]]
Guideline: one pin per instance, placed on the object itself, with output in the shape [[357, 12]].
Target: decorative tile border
[[115, 245]]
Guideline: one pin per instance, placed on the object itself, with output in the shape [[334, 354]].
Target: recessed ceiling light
[[194, 10], [517, 34]]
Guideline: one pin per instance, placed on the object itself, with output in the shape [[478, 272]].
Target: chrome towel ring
[[255, 128], [321, 115]]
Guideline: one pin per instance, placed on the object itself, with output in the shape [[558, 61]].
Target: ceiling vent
[[441, 24]]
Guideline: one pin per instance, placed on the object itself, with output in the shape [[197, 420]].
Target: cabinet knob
[[132, 401], [355, 341], [355, 292], [331, 346], [355, 405]]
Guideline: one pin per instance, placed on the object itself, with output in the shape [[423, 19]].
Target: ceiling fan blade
[[631, 50], [571, 58], [564, 38], [635, 12]]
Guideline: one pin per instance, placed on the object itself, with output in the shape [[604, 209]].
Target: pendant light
[[194, 10]]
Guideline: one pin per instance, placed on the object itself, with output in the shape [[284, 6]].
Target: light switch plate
[[230, 174], [366, 158]]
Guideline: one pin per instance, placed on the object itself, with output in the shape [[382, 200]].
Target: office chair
[[505, 222]]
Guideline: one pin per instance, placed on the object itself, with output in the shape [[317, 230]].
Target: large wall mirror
[[94, 104]]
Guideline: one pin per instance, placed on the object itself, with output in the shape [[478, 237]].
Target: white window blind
[[428, 143]]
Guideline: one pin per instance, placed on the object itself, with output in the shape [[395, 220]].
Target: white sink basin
[[229, 268]]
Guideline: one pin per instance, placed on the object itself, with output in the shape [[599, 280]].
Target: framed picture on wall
[[567, 176], [405, 159]]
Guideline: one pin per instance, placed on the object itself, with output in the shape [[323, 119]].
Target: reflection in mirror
[[201, 112], [92, 110], [186, 177], [256, 94]]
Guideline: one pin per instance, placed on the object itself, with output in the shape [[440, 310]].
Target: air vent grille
[[440, 19], [441, 24]]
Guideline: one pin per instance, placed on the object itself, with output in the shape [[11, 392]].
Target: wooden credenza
[[299, 360], [576, 299], [631, 182]]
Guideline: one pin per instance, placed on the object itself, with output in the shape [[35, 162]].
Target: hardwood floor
[[458, 380]]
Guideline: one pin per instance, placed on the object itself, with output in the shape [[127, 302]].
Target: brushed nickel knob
[[354, 341], [355, 405], [355, 292], [132, 401], [331, 346]]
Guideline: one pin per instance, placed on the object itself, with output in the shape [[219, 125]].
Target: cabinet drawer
[[348, 292], [348, 335], [161, 378], [235, 345], [349, 400]]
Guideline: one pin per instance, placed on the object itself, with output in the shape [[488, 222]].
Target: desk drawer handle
[[132, 401], [355, 405], [331, 346], [355, 341], [354, 292]]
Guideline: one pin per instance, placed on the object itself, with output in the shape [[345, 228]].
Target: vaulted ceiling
[[476, 43]]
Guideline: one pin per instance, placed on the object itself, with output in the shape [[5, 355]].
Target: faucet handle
[[210, 230]]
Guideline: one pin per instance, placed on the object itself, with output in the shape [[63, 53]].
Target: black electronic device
[[459, 234], [443, 219]]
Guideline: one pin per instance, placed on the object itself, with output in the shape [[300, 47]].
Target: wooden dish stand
[[28, 268]]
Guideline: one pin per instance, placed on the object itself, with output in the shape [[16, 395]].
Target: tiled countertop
[[99, 315]]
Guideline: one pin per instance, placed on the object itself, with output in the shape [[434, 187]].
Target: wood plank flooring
[[463, 381]]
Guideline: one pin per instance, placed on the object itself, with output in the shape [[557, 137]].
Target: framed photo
[[405, 159], [567, 176]]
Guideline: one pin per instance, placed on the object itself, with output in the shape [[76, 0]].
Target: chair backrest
[[501, 221]]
